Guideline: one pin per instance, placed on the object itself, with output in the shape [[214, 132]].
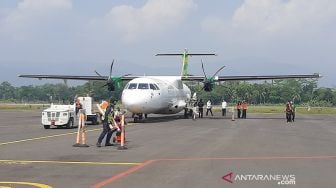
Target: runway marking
[[146, 163], [125, 173], [65, 162], [44, 137], [251, 158], [51, 136], [25, 183]]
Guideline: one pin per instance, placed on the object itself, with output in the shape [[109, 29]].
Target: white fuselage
[[155, 95]]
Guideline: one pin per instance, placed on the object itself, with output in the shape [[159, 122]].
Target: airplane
[[144, 95]]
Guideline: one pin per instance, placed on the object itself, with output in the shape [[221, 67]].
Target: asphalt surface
[[261, 151]]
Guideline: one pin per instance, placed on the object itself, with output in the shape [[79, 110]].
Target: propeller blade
[[205, 77], [218, 71], [98, 73], [111, 68]]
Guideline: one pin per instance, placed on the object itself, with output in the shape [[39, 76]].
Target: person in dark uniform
[[106, 127], [288, 111], [200, 105]]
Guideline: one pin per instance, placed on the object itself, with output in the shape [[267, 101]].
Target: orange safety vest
[[104, 105], [244, 105]]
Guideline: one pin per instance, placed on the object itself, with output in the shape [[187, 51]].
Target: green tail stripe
[[184, 71]]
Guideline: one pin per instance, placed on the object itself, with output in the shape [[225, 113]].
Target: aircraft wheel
[[70, 124]]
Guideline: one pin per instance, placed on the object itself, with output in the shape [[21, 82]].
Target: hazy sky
[[253, 37]]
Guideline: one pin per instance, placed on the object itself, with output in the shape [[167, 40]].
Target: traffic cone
[[122, 141], [81, 130]]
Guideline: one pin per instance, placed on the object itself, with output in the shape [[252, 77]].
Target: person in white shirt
[[209, 108], [224, 104]]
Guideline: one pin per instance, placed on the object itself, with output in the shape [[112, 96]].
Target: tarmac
[[169, 151]]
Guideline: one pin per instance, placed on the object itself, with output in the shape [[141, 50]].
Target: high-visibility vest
[[244, 106], [104, 105]]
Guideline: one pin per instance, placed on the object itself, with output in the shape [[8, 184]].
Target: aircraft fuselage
[[155, 95]]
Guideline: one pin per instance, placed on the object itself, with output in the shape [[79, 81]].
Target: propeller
[[208, 83], [112, 82]]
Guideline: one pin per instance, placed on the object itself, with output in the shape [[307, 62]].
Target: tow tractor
[[65, 115]]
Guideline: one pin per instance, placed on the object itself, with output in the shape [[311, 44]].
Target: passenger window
[[132, 86], [143, 86]]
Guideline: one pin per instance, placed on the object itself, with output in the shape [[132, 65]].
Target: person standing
[[244, 106], [224, 104], [209, 108], [288, 111], [78, 105], [109, 112], [200, 105], [238, 109]]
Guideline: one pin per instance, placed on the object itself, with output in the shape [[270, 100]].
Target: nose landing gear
[[139, 117]]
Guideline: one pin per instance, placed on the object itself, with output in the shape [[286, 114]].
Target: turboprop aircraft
[[144, 95]]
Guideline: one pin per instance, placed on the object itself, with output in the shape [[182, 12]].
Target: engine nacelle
[[111, 85], [208, 86]]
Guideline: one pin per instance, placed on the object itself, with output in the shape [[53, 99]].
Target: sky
[[251, 37]]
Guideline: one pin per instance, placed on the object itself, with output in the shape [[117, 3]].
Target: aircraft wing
[[69, 77], [242, 78]]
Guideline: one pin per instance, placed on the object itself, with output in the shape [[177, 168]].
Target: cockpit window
[[143, 86], [132, 86], [153, 87]]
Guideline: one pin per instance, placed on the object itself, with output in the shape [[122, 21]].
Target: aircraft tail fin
[[185, 55]]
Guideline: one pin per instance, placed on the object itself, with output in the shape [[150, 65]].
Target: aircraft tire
[[70, 124]]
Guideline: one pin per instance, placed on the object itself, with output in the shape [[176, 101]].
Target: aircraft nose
[[134, 102]]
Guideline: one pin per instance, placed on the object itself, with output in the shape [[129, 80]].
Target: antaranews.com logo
[[280, 179]]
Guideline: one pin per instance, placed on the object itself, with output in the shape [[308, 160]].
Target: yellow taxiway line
[[50, 136], [44, 137], [65, 162], [23, 183]]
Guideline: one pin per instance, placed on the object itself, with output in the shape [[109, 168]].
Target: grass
[[13, 106], [280, 109], [302, 110], [252, 109]]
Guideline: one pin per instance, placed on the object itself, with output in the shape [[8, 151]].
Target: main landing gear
[[139, 117]]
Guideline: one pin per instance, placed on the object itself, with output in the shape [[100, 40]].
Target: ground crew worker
[[200, 105], [293, 110], [238, 109], [288, 111], [244, 106], [106, 127], [209, 108], [117, 128], [78, 105], [224, 104]]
